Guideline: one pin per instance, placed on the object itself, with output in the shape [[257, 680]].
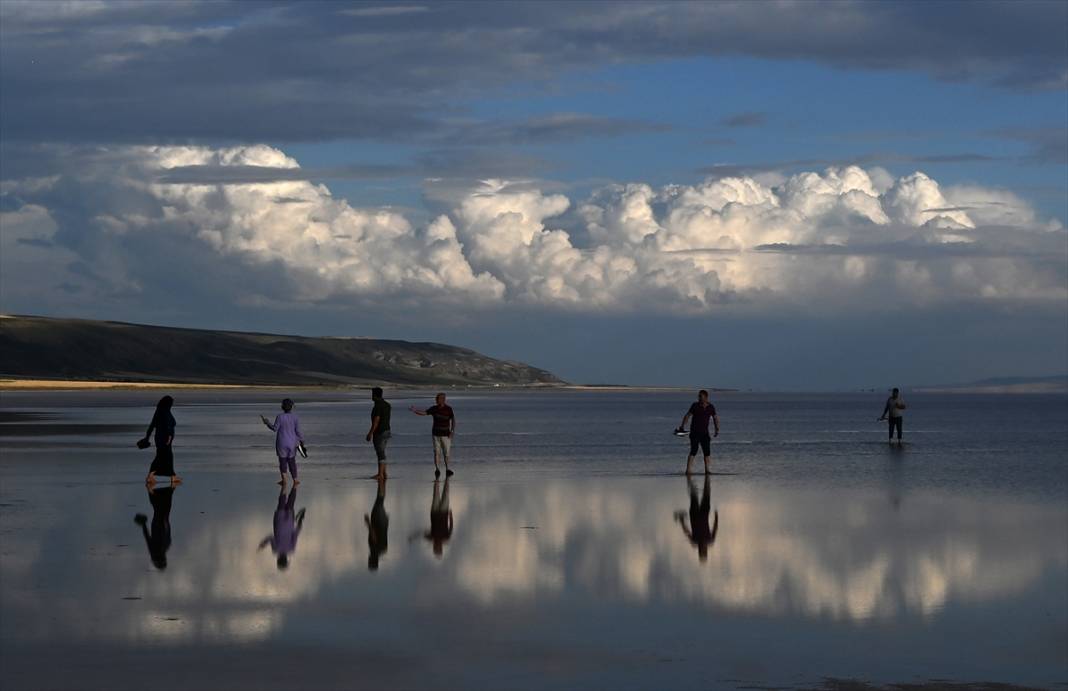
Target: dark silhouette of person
[[698, 532], [892, 412], [440, 519], [159, 539], [377, 527], [163, 424], [379, 434], [287, 527], [702, 411]]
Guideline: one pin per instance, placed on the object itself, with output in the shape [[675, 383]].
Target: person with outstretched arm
[[702, 412], [288, 440], [379, 433], [892, 412], [442, 431]]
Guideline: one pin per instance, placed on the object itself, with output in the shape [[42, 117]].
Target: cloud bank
[[199, 69], [116, 222]]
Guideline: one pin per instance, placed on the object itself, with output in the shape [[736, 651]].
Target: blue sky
[[803, 112], [606, 190]]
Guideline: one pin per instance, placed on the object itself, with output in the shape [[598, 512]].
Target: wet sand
[[555, 574]]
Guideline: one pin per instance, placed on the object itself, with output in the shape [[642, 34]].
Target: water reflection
[[440, 519], [287, 527], [790, 553], [377, 527], [158, 539], [698, 531]]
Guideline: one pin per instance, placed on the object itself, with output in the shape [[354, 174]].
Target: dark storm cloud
[[222, 71], [33, 242], [550, 128], [745, 120], [239, 175], [898, 250], [1048, 144], [723, 170]]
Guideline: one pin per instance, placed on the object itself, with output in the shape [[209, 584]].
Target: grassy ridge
[[76, 349]]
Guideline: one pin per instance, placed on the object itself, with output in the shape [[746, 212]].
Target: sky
[[765, 195]]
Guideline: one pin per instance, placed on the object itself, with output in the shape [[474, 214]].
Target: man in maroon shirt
[[444, 428], [702, 411]]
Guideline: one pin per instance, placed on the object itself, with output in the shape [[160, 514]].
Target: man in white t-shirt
[[892, 412]]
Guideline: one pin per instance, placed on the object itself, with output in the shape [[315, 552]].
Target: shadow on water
[[287, 527], [158, 537], [377, 528]]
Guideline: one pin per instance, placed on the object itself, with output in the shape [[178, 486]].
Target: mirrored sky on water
[[545, 577]]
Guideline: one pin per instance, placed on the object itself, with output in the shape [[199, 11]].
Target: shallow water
[[568, 565]]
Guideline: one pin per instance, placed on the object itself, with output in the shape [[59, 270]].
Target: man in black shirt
[[702, 411], [379, 433]]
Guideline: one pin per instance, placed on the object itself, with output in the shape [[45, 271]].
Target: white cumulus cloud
[[816, 239]]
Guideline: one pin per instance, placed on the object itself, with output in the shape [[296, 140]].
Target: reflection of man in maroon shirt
[[700, 534], [440, 519]]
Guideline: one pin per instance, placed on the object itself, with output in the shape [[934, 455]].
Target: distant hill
[[76, 349], [1055, 384]]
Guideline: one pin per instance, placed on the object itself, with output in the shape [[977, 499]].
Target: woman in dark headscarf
[[163, 423]]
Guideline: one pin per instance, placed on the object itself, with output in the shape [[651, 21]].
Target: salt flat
[[571, 563]]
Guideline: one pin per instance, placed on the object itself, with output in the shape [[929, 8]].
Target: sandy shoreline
[[74, 384], [61, 385]]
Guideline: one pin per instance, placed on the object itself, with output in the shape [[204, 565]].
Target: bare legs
[[150, 479], [289, 464], [442, 450], [689, 465]]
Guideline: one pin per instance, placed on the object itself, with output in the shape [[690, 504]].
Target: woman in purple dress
[[287, 440]]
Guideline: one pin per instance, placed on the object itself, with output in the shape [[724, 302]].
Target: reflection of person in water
[[287, 528], [440, 519], [700, 535], [159, 539], [377, 527]]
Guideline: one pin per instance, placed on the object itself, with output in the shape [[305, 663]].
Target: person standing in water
[[702, 411], [892, 412], [287, 440], [442, 431], [287, 527], [163, 424], [379, 433]]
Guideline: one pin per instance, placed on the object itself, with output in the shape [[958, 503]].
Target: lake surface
[[579, 556]]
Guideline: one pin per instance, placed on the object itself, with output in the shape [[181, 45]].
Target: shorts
[[704, 441], [442, 446], [380, 441]]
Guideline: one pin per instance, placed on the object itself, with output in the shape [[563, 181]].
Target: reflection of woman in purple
[[286, 528], [287, 440]]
